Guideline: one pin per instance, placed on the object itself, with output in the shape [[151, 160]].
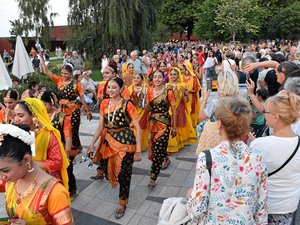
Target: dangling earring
[[30, 168], [36, 123]]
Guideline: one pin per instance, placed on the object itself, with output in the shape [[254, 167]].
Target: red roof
[[5, 44], [184, 37], [60, 33]]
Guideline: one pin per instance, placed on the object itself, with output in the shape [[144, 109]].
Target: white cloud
[[9, 11]]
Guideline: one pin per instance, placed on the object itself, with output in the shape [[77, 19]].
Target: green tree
[[282, 20], [205, 27], [33, 18], [102, 26], [180, 16], [234, 16]]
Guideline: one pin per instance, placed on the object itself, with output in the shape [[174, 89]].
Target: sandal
[[120, 212], [99, 176], [166, 163], [151, 184]]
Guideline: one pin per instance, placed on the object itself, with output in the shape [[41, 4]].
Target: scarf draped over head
[[42, 137], [180, 76], [189, 68]]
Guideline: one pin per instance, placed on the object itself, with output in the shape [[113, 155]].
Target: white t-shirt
[[210, 62], [227, 63], [261, 76], [283, 186], [296, 127]]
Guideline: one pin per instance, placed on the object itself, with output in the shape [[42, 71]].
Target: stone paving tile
[[85, 218], [82, 184], [143, 209], [148, 221], [177, 178], [168, 191], [135, 220], [81, 201], [137, 196], [185, 165], [100, 208], [95, 188], [153, 211]]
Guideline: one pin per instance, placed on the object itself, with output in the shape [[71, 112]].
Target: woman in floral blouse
[[236, 191]]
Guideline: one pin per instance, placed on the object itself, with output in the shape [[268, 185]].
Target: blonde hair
[[286, 105], [235, 115], [228, 84]]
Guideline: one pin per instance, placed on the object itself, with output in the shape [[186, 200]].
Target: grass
[[56, 65], [96, 75]]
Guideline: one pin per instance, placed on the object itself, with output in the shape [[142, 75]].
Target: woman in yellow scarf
[[193, 87], [186, 132], [50, 154]]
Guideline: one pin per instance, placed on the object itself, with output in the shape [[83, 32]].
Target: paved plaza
[[97, 200]]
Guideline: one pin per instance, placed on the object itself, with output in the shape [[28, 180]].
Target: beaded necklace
[[111, 122]]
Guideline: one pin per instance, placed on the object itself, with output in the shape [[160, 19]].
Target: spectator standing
[[281, 111], [77, 61], [137, 63]]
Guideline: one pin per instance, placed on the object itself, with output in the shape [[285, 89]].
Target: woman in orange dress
[[108, 73], [159, 102], [138, 92], [10, 100], [33, 197], [69, 89], [118, 147]]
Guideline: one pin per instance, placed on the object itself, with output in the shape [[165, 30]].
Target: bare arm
[[253, 66], [254, 99], [202, 116], [45, 69], [97, 134]]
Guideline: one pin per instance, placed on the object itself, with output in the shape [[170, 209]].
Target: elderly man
[[88, 85], [77, 61], [115, 64], [137, 63]]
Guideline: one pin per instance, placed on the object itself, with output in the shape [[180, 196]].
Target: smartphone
[[209, 84]]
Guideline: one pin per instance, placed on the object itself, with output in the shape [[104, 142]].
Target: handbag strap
[[208, 161], [288, 160], [228, 62]]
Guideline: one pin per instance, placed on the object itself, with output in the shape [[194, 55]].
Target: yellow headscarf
[[42, 137], [189, 68], [179, 73]]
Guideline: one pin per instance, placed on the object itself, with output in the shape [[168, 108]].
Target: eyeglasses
[[264, 111]]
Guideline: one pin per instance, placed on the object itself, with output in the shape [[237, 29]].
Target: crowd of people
[[157, 101]]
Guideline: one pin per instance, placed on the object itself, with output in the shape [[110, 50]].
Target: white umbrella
[[22, 64], [5, 81]]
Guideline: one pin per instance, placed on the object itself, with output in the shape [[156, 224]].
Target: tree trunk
[[233, 36], [180, 35]]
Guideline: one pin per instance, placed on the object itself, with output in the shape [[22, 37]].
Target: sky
[[9, 11]]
